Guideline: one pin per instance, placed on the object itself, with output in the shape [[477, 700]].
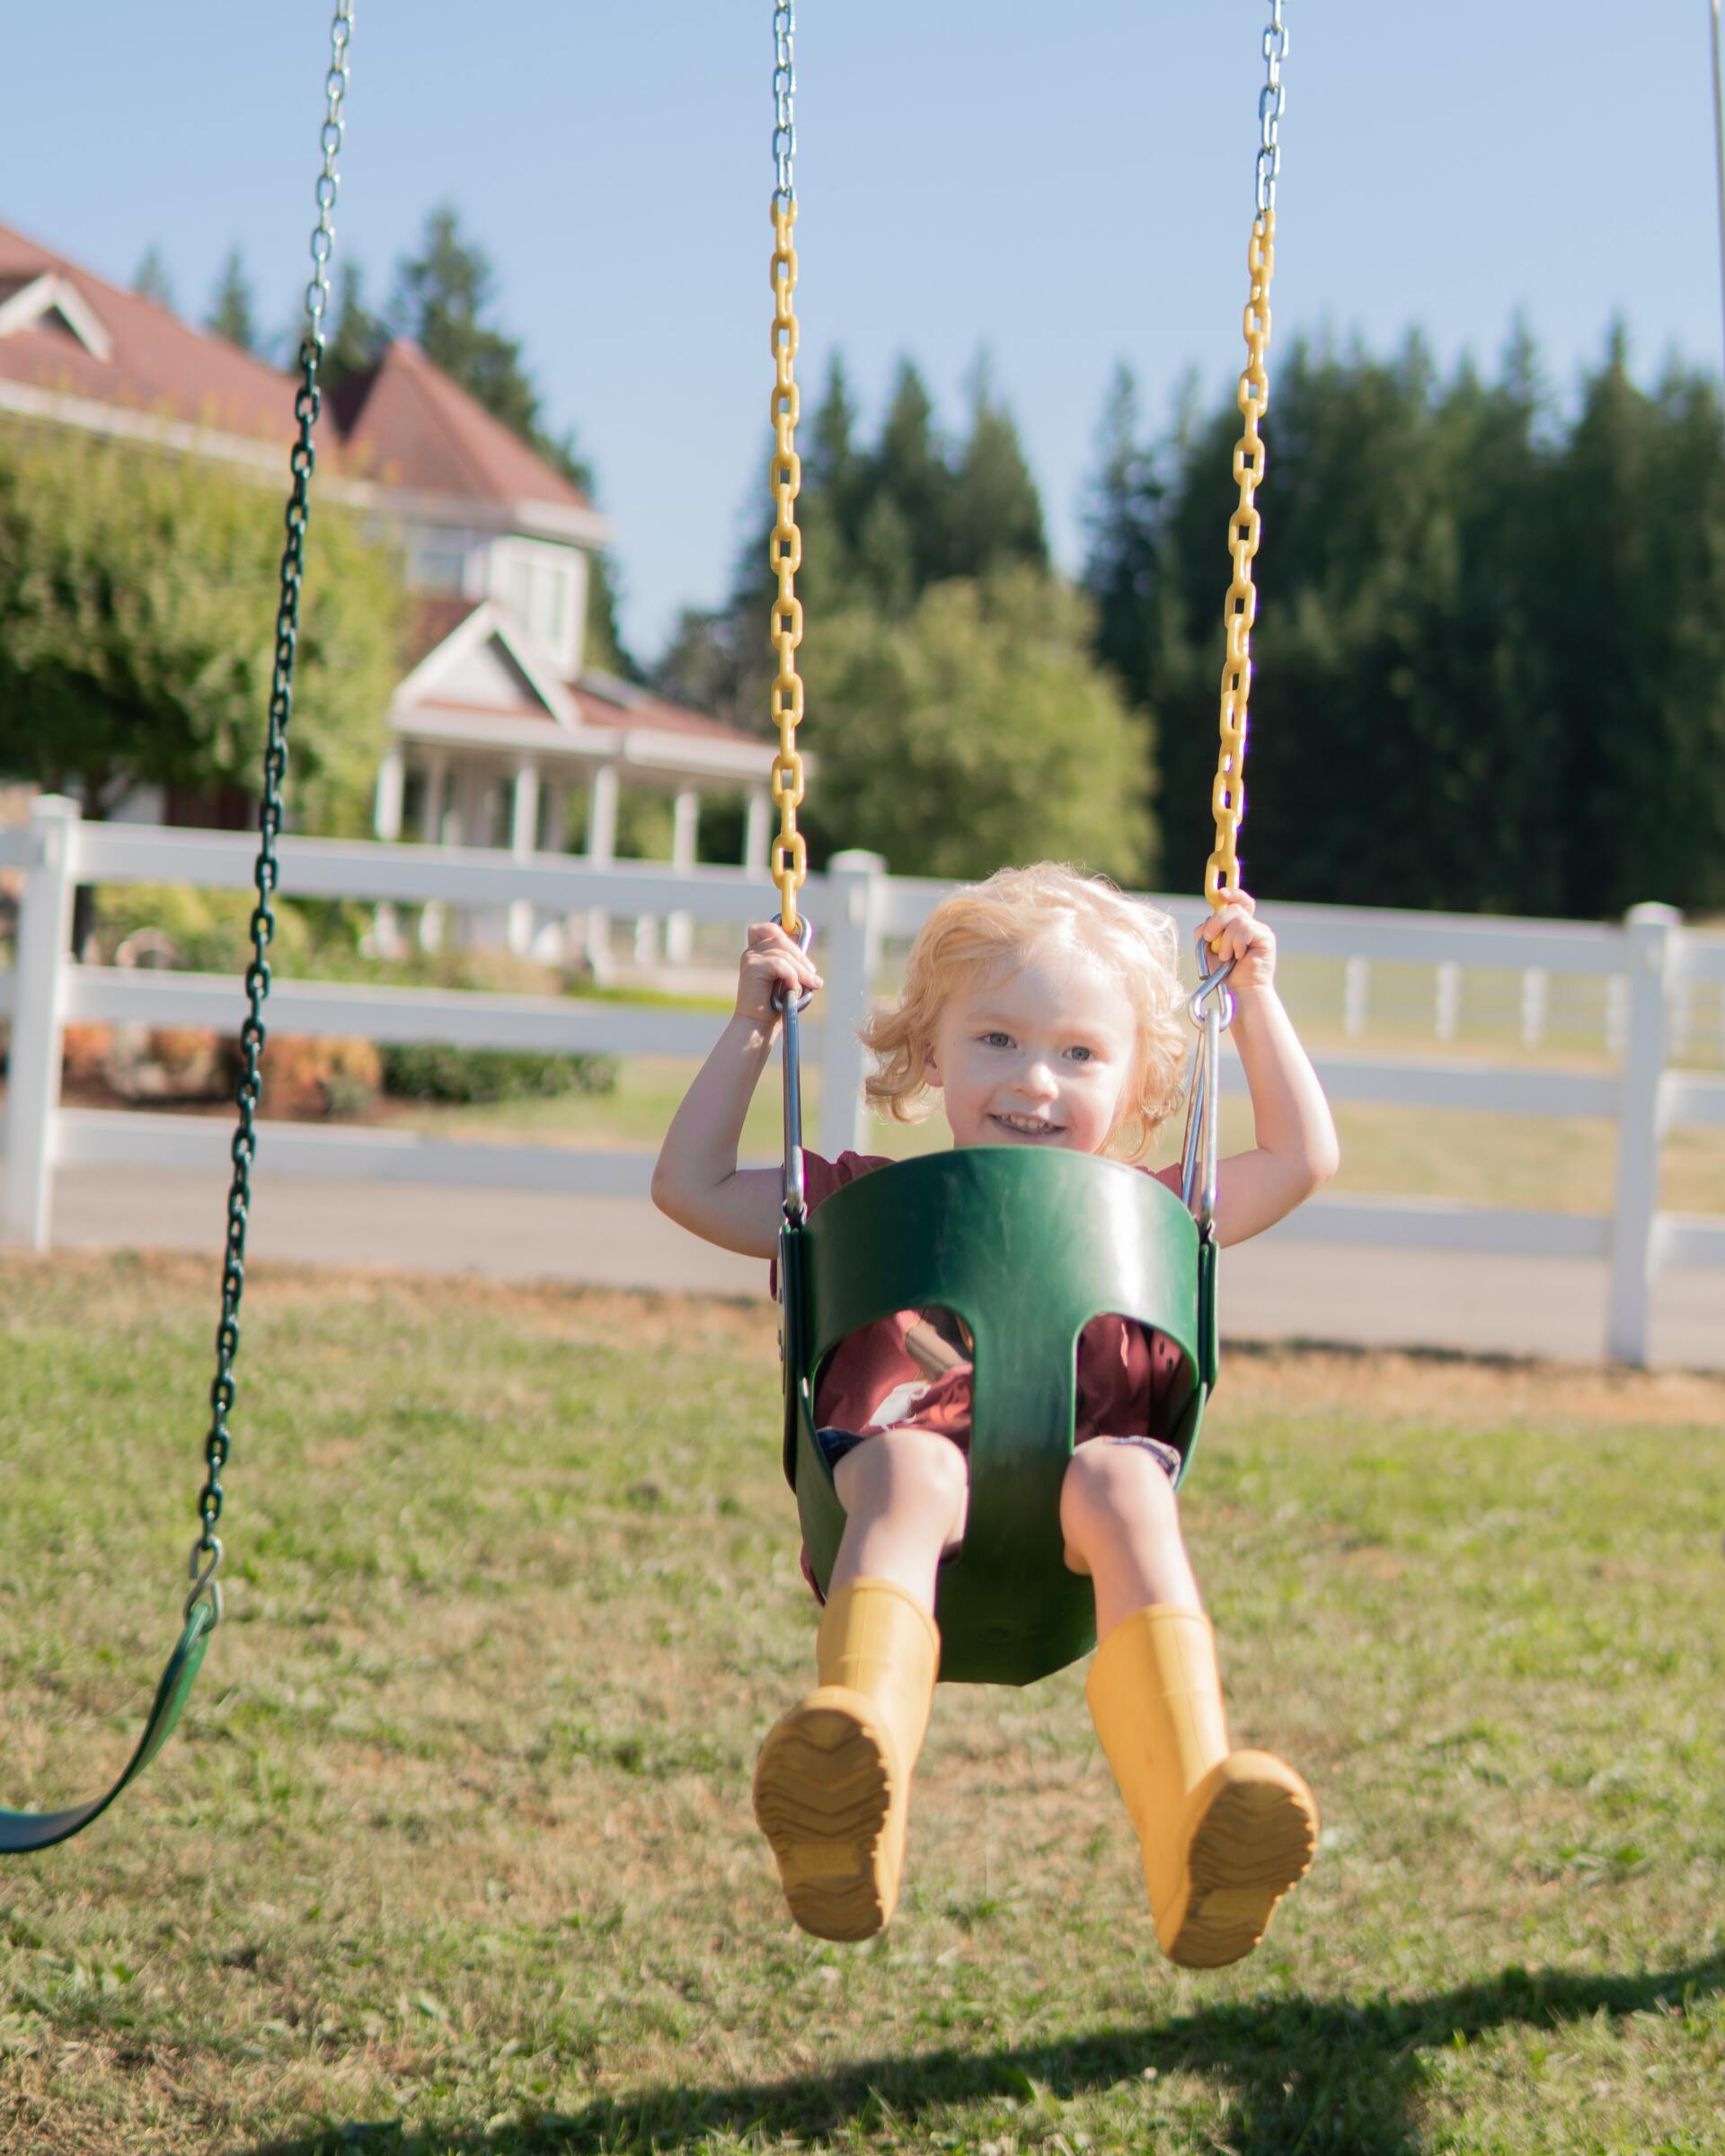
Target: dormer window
[[535, 584], [53, 302]]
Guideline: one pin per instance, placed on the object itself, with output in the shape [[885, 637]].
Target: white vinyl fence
[[1652, 967]]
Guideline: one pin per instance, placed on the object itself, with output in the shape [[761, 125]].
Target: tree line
[[1488, 658]]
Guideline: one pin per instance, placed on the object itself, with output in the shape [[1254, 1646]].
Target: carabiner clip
[[1211, 981], [805, 936]]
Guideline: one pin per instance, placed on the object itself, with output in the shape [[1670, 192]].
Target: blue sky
[[1062, 187]]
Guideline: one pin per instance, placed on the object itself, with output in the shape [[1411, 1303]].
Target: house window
[[536, 585], [437, 562]]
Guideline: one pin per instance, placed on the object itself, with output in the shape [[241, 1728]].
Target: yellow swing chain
[[1228, 794], [789, 850]]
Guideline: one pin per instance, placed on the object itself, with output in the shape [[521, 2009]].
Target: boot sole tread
[[1255, 1841], [822, 1795]]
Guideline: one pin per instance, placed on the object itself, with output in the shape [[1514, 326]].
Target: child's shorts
[[835, 1444]]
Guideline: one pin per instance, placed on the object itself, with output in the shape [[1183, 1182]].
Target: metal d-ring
[[792, 1007]]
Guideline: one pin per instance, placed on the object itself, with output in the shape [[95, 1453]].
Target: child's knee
[[903, 1469], [1109, 1487]]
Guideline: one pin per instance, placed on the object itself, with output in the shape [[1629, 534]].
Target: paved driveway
[[1273, 1289]]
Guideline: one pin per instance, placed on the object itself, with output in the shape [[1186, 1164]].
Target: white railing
[[1652, 965]]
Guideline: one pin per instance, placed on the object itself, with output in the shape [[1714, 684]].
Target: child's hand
[[770, 960], [1237, 933]]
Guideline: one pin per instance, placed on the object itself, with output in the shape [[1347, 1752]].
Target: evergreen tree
[[232, 311], [150, 279], [1634, 621], [442, 297], [357, 337], [993, 514], [1123, 519], [908, 471]]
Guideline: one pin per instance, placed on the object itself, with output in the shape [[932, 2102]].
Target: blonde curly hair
[[1006, 918]]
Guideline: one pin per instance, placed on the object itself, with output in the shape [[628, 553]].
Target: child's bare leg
[[832, 1789], [1224, 1834], [1121, 1524], [905, 1493]]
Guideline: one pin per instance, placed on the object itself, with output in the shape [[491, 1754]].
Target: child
[[1046, 1009]]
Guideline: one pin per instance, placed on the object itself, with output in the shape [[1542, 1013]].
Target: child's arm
[[697, 1180], [1297, 1148]]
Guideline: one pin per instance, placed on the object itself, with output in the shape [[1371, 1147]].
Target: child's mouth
[[1027, 1126]]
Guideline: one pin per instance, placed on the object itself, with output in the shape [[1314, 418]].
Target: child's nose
[[1038, 1080]]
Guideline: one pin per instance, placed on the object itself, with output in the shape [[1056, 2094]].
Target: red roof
[[409, 425], [605, 701], [406, 425], [159, 364], [432, 621]]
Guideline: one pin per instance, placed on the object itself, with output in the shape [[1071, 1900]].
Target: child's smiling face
[[1041, 1054]]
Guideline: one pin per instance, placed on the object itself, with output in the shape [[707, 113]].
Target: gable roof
[[408, 425], [155, 364], [443, 628], [67, 334]]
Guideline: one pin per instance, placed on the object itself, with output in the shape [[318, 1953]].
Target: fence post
[[33, 1066], [855, 889], [1649, 939]]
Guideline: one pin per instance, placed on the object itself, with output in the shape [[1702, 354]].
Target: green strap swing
[[1025, 1247], [24, 1832]]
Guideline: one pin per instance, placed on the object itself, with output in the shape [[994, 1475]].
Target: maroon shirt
[[1128, 1374]]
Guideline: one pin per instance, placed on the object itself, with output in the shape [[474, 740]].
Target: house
[[499, 725]]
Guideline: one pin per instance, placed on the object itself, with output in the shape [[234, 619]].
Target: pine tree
[[908, 471], [993, 514], [442, 297], [150, 279], [232, 313], [357, 339]]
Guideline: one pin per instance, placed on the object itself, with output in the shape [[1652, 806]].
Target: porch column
[[601, 852], [758, 831], [432, 811], [392, 781], [556, 841], [386, 822], [523, 829], [556, 816], [685, 823]]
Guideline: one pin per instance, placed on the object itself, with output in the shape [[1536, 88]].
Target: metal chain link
[[1272, 100], [785, 91], [1228, 792], [206, 1551], [789, 849]]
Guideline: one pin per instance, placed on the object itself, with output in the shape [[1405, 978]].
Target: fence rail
[[1648, 966]]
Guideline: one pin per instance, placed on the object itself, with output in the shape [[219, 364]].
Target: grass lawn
[[454, 1851]]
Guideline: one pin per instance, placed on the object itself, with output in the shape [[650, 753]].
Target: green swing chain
[[206, 1551]]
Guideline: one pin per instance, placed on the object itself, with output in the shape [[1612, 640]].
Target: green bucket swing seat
[[1026, 1248]]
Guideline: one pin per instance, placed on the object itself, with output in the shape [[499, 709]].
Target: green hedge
[[424, 1071]]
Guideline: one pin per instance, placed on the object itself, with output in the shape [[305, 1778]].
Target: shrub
[[466, 1077], [210, 931], [308, 1075]]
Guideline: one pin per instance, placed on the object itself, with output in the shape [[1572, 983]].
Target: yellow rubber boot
[[1224, 1834], [832, 1787]]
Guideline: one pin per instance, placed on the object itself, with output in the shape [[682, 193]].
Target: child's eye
[[996, 1040], [1083, 1054]]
